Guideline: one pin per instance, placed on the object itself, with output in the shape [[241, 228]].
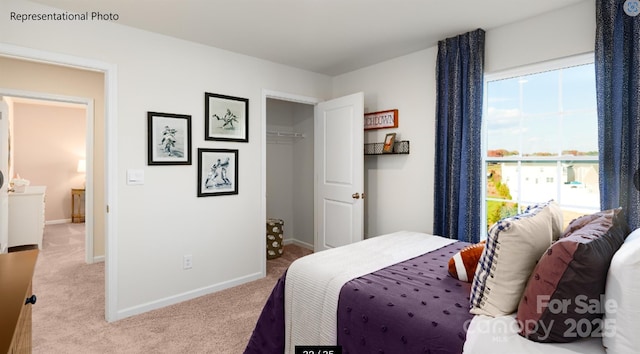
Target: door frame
[[87, 103], [283, 96], [111, 108], [4, 170]]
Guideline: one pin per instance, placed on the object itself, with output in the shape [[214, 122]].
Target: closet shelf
[[283, 137], [399, 148]]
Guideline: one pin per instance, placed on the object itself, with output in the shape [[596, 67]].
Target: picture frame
[[217, 172], [226, 118], [168, 139], [389, 141], [381, 119]]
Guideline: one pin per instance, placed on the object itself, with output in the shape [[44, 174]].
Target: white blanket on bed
[[313, 282]]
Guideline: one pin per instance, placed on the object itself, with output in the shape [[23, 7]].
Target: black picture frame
[[217, 172], [168, 139], [226, 118]]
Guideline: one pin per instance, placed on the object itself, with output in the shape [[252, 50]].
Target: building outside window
[[540, 139]]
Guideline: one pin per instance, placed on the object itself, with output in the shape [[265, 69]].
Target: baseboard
[[60, 221], [190, 295], [298, 243]]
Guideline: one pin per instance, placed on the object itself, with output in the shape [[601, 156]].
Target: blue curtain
[[617, 61], [458, 169]]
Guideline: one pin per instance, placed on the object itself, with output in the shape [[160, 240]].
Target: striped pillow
[[513, 247], [462, 265]]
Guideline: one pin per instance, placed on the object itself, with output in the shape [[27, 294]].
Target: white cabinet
[[26, 217]]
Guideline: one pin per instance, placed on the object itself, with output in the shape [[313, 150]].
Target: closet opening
[[290, 169]]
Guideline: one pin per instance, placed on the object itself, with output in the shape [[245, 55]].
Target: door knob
[[31, 300], [355, 195]]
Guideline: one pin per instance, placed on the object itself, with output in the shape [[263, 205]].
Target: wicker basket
[[275, 231]]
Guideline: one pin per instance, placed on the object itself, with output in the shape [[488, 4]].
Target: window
[[540, 139]]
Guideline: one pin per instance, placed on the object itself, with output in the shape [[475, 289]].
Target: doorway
[[338, 161], [289, 150], [64, 144], [105, 169], [284, 130]]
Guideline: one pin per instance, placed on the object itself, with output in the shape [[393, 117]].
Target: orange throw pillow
[[462, 265]]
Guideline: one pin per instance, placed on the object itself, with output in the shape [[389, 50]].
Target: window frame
[[530, 69]]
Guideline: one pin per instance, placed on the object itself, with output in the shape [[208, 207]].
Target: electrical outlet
[[187, 261]]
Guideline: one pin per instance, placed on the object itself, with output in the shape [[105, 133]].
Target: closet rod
[[284, 134]]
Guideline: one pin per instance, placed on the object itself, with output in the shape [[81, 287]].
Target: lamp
[[82, 168]]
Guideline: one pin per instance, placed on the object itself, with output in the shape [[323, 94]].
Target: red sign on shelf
[[380, 120]]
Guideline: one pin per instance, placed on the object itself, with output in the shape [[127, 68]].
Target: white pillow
[[621, 332], [513, 247]]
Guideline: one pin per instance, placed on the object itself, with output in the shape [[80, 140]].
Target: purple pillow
[[563, 299]]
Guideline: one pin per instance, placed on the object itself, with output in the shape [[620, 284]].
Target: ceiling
[[325, 36]]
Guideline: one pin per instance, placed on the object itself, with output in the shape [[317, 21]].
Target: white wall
[[280, 167], [162, 220], [399, 188], [566, 32], [303, 205]]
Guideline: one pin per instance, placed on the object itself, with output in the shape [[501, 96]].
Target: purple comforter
[[268, 336], [410, 307]]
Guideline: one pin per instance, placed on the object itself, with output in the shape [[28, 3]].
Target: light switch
[[135, 176]]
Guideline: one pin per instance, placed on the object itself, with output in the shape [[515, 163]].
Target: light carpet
[[69, 314]]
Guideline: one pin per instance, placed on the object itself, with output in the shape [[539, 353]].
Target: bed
[[388, 294]]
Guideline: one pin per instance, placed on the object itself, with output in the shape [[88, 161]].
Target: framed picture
[[226, 118], [381, 120], [168, 139], [387, 148], [217, 172]]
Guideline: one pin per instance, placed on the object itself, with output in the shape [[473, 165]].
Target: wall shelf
[[399, 148]]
